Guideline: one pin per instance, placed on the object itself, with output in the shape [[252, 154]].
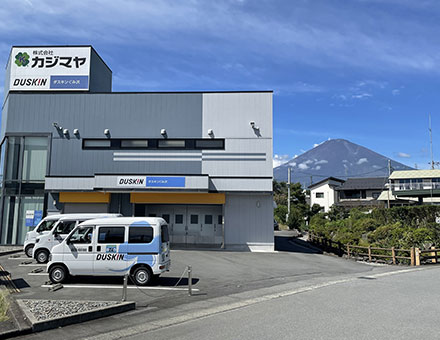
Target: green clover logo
[[22, 59]]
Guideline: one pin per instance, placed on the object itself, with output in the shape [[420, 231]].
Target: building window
[[194, 219], [375, 195], [96, 143], [319, 195], [210, 144], [134, 143], [171, 143], [208, 219], [24, 160], [179, 219]]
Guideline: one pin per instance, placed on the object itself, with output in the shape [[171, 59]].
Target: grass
[[4, 305]]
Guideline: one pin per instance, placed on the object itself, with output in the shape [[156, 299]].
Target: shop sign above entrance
[[49, 68], [150, 182]]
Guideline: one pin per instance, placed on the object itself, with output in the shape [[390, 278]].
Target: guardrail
[[413, 256]]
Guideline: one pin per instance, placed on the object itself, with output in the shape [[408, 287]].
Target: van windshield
[[82, 235], [46, 225], [164, 233]]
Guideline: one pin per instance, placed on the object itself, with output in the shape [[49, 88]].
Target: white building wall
[[330, 196]]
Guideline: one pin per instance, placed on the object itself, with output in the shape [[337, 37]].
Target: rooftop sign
[[49, 68]]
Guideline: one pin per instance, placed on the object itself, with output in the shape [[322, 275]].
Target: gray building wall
[[247, 217], [100, 74]]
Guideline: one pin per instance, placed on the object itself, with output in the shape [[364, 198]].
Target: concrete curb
[[38, 326]]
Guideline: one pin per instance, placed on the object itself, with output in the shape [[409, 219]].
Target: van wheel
[[142, 276], [28, 250], [58, 274], [42, 256]]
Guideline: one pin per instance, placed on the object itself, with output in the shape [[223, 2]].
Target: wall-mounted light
[[56, 126], [210, 132], [76, 132], [66, 132], [107, 132], [252, 123], [163, 132]]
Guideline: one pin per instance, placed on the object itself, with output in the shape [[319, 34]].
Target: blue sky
[[363, 70]]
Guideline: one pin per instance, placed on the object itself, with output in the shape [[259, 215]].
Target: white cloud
[[361, 95], [303, 166], [395, 92], [318, 167], [362, 161], [308, 161], [403, 155], [344, 161], [377, 166], [279, 159], [322, 161]]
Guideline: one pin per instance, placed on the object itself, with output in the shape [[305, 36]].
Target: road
[[380, 306], [226, 281]]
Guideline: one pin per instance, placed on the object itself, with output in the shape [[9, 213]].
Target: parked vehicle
[[275, 225], [64, 225], [137, 246], [44, 226]]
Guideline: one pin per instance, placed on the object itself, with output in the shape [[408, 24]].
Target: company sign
[[49, 68], [150, 182]]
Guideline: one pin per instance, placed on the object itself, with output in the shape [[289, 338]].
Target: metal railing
[[415, 186]]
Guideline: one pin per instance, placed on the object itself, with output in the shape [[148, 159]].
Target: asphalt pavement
[[221, 279], [401, 305]]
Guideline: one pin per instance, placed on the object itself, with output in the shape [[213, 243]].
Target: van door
[[165, 246], [109, 258], [79, 251]]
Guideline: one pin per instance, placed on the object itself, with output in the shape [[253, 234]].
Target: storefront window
[[35, 158], [22, 185], [13, 158]]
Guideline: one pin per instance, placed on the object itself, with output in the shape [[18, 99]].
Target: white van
[[62, 228], [44, 226], [138, 246]]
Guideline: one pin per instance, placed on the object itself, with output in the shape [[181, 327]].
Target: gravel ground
[[50, 309]]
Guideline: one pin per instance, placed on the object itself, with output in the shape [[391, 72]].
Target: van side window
[[111, 235], [164, 233], [82, 235], [46, 225], [140, 235], [65, 227]]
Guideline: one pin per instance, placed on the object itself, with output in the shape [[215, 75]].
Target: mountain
[[338, 158]]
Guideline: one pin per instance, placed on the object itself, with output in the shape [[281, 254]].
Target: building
[[422, 185], [200, 160], [353, 192], [324, 192], [361, 192]]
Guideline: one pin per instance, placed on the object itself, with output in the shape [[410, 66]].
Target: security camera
[[65, 132], [163, 132], [210, 132], [106, 132], [252, 123], [75, 131]]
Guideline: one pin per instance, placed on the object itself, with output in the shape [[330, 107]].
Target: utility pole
[[430, 142], [389, 182], [289, 170]]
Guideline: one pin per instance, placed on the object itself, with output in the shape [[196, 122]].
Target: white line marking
[[19, 258], [32, 265], [35, 274], [120, 287]]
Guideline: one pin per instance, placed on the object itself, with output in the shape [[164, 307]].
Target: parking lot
[[215, 273]]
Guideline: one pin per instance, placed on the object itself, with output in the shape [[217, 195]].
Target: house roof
[[371, 183], [408, 174], [326, 180]]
